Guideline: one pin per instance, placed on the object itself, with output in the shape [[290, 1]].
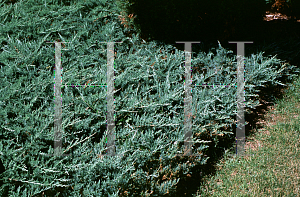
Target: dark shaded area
[[209, 21], [288, 7], [2, 169], [205, 21]]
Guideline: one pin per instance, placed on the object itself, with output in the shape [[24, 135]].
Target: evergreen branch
[[47, 170], [79, 142], [126, 111], [27, 182], [74, 121], [157, 125], [155, 105], [7, 128]]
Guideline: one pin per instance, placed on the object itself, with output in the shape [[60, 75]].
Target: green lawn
[[273, 169]]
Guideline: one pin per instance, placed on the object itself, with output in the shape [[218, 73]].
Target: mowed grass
[[273, 167]]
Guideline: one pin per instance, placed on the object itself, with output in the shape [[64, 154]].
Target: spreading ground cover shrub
[[149, 95]]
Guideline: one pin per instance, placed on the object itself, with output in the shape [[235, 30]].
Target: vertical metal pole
[[110, 81], [110, 100], [58, 102], [240, 129], [188, 134]]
